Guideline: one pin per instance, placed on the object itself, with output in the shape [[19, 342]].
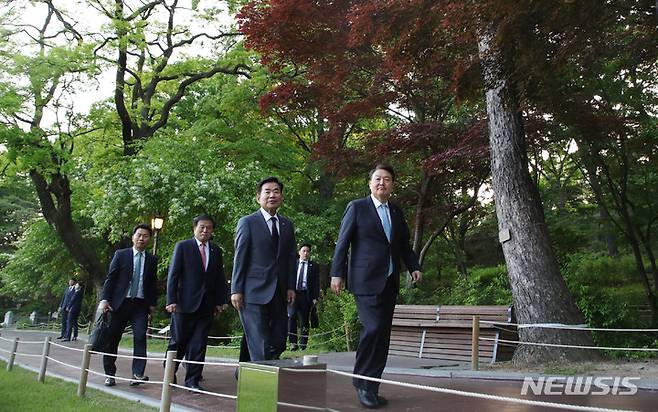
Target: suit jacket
[[361, 232], [187, 282], [66, 298], [120, 274], [257, 267], [312, 279], [75, 304]]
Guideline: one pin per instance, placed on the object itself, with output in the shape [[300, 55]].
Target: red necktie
[[202, 249]]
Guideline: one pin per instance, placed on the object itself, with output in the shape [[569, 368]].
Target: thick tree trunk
[[55, 200], [539, 291]]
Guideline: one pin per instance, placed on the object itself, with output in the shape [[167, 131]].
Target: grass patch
[[568, 369], [160, 345], [22, 392]]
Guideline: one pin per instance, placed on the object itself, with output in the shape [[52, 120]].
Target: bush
[[336, 311], [609, 295], [483, 286]]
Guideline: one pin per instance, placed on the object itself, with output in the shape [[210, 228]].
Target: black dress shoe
[[59, 337], [138, 380], [110, 382], [66, 340], [194, 389], [367, 398], [381, 400]]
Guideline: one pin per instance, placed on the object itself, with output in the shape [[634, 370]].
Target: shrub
[[483, 286]]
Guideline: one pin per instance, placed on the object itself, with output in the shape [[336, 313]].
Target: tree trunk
[[538, 289], [55, 200], [419, 224]]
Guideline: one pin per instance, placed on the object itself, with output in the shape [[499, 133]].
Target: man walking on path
[[196, 291], [130, 293], [376, 235], [263, 278]]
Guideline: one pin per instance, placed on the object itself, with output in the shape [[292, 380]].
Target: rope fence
[[170, 362]]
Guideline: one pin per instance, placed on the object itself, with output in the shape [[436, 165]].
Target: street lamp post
[[156, 225]]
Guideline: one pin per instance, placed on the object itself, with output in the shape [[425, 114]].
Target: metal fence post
[[12, 355], [44, 359], [170, 367], [475, 340], [86, 356]]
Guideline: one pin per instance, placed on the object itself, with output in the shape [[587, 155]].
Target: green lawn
[[21, 392], [160, 345]]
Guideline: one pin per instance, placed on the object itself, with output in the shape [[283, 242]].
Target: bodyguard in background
[[376, 235], [73, 308], [263, 278], [63, 313], [196, 291], [130, 293], [307, 292]]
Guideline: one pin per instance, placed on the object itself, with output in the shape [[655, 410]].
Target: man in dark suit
[[196, 291], [73, 312], [130, 293], [377, 236], [307, 292], [263, 278], [63, 313]]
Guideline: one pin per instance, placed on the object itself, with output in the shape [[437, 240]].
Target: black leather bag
[[100, 336], [315, 321]]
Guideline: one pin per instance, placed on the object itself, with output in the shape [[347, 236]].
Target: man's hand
[[336, 284], [416, 276], [218, 310], [237, 300], [315, 301], [291, 296], [171, 308], [104, 306]]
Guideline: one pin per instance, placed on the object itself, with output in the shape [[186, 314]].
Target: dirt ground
[[647, 368]]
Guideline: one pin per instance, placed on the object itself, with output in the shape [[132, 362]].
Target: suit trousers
[[189, 338], [71, 324], [299, 311], [376, 316], [136, 312], [65, 315], [265, 327]]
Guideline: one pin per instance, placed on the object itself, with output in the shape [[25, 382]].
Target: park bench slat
[[444, 332]]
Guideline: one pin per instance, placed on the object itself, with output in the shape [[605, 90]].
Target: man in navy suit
[[307, 292], [63, 313], [263, 278], [130, 293], [377, 236], [196, 291], [73, 308]]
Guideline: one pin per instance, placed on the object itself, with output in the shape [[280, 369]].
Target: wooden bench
[[444, 332]]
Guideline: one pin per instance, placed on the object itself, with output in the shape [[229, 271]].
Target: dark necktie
[[300, 276], [275, 234]]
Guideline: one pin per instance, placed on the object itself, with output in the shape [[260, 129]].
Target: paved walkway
[[340, 395]]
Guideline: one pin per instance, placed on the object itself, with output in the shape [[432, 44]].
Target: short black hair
[[270, 179], [304, 244], [143, 226], [382, 166], [201, 217]]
